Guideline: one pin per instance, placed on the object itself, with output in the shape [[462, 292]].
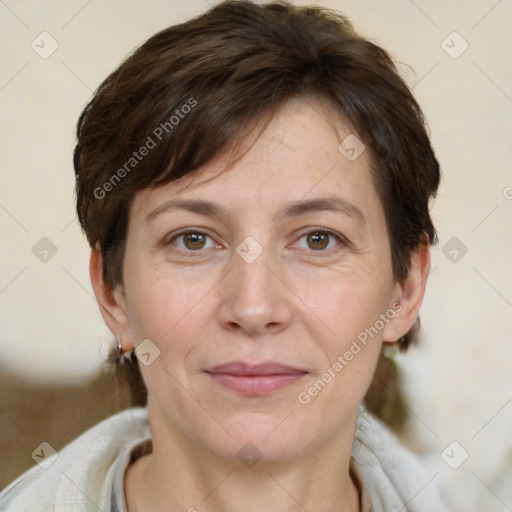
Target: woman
[[254, 185]]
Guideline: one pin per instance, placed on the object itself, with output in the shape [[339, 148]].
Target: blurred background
[[456, 385]]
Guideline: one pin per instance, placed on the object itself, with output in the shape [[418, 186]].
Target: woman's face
[[287, 262]]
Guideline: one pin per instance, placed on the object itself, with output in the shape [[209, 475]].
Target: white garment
[[84, 474]]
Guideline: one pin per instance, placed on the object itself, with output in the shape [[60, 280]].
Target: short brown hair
[[198, 86]]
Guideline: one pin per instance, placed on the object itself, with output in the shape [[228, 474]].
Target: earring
[[119, 350]]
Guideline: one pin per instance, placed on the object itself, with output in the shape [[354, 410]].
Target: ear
[[409, 295], [110, 301]]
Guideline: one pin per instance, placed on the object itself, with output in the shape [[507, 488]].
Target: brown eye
[[318, 240], [322, 241], [193, 240]]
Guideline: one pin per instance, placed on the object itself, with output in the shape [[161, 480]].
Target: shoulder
[[74, 478], [393, 474]]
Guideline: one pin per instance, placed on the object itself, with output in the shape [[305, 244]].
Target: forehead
[[298, 156]]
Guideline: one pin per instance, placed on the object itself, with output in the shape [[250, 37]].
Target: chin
[[262, 436]]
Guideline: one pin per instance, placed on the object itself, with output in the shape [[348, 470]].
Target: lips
[[255, 379], [242, 368]]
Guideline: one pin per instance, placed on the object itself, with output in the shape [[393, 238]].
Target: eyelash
[[340, 238]]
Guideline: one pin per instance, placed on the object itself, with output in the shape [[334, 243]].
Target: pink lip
[[255, 379]]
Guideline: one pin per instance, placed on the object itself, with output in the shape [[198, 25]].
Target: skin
[[301, 302]]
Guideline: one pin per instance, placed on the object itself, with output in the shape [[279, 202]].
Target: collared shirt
[[87, 475]]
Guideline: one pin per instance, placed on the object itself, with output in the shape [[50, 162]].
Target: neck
[[179, 477]]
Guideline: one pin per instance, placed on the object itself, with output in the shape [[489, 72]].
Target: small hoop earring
[[119, 350]]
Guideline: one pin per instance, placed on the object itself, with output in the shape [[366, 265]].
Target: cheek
[[169, 308], [350, 346], [346, 304]]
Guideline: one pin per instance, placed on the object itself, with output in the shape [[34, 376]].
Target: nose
[[255, 298]]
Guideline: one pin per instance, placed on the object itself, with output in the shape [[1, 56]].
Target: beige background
[[458, 380]]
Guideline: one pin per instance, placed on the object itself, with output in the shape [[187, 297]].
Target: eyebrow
[[209, 209]]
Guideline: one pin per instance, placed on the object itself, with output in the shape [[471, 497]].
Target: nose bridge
[[251, 273], [254, 299]]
